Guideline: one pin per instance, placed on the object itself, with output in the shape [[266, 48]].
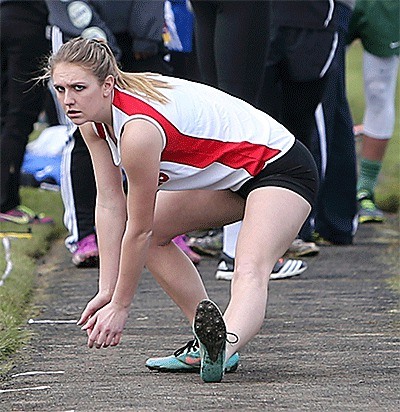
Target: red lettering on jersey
[[162, 178]]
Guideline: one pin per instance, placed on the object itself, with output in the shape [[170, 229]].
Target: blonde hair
[[96, 56]]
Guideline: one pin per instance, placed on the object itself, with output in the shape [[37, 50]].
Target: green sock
[[368, 175]]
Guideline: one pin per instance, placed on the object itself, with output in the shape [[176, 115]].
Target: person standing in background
[[377, 24], [23, 44], [298, 64], [230, 38], [179, 39], [334, 219]]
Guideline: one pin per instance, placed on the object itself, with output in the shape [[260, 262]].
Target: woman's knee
[[159, 239]]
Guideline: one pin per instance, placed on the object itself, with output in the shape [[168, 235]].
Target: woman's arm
[[141, 146], [110, 218]]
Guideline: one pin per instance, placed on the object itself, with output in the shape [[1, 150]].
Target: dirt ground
[[330, 342]]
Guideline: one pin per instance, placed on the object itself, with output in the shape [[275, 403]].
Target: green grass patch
[[18, 287], [14, 296]]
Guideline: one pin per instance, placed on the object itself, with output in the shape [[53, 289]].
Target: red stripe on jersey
[[196, 151], [100, 130]]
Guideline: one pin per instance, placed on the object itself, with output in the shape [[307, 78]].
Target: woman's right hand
[[100, 300]]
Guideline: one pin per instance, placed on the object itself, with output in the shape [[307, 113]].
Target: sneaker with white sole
[[301, 248], [181, 242], [287, 268], [210, 244], [22, 215], [368, 212], [86, 254], [187, 359], [283, 268]]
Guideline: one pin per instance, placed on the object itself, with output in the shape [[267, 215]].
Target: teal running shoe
[[209, 329], [187, 360]]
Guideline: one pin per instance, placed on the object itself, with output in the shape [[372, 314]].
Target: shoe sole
[[205, 252], [289, 274], [300, 248], [309, 252], [15, 220], [209, 329], [369, 219], [221, 275], [89, 262], [188, 369], [183, 369]]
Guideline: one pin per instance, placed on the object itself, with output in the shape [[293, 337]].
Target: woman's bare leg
[[273, 217], [177, 213]]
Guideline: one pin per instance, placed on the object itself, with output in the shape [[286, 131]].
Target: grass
[[17, 291]]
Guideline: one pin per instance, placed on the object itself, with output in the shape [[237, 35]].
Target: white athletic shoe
[[284, 268]]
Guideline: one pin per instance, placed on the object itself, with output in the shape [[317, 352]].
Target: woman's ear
[[108, 85]]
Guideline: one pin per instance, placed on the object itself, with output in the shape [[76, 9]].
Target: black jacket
[[143, 20], [305, 14]]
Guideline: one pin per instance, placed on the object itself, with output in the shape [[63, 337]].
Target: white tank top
[[212, 140]]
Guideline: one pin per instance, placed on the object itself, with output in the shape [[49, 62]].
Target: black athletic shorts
[[296, 170]]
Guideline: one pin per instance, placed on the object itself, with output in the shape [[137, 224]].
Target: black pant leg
[[23, 43], [336, 206], [231, 37], [83, 187], [205, 13]]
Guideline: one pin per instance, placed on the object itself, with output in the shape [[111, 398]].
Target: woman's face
[[80, 94]]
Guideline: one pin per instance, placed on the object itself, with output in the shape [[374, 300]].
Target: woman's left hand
[[105, 327]]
